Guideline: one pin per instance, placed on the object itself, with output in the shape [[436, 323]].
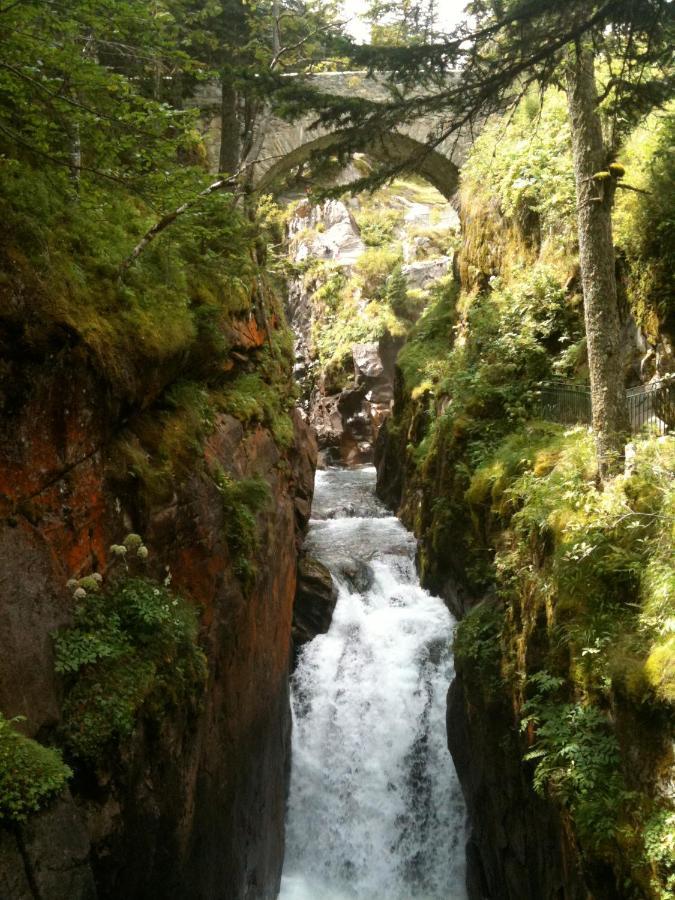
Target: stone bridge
[[286, 145]]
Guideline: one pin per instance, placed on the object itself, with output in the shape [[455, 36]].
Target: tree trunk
[[596, 257], [230, 137]]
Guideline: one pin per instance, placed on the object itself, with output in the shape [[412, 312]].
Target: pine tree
[[405, 21]]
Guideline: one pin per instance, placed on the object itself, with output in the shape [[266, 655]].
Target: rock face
[[346, 421], [517, 848], [193, 807], [315, 599], [339, 240]]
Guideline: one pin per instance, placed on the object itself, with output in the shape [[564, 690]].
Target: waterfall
[[375, 810]]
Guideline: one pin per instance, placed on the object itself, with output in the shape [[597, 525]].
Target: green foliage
[[252, 400], [242, 500], [428, 347], [477, 646], [172, 306], [659, 840], [373, 268], [577, 761], [396, 293], [491, 361], [30, 773], [344, 318], [645, 223], [132, 651], [526, 166], [378, 226]]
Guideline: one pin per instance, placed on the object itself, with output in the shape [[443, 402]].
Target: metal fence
[[651, 407]]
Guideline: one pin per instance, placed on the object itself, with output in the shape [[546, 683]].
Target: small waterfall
[[375, 809]]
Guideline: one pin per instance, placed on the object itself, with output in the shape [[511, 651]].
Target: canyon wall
[[560, 717], [192, 803]]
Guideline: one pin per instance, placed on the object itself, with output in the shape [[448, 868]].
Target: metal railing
[[651, 407]]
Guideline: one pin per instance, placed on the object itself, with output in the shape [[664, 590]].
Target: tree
[[486, 66], [241, 43], [405, 21], [76, 90]]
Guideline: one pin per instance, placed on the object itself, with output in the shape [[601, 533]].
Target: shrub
[[373, 268], [577, 761], [30, 773], [131, 650]]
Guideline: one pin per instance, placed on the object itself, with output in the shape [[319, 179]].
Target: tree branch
[[221, 184], [67, 164], [629, 187], [296, 46]]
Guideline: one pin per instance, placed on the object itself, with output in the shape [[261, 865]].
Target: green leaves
[[30, 773], [577, 760], [131, 650]]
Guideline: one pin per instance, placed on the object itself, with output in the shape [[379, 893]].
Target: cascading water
[[375, 810]]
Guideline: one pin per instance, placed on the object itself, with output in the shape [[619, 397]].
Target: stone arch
[[435, 168]]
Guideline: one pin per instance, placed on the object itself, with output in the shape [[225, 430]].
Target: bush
[[373, 268], [30, 773], [577, 761], [132, 650]]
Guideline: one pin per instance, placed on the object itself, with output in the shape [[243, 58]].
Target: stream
[[375, 810]]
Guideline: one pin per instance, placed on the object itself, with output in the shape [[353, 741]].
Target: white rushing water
[[375, 810]]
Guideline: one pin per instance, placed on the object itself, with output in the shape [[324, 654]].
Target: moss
[[30, 773], [659, 839], [132, 651], [252, 400], [659, 670], [168, 311], [242, 501], [644, 225], [428, 346]]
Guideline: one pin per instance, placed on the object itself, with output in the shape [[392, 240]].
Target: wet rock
[[179, 813], [517, 846], [358, 575], [56, 852], [326, 420], [14, 884], [315, 599]]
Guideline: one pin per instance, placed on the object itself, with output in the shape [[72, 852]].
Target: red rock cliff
[[193, 807]]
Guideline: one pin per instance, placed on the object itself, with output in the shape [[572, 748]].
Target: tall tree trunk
[[230, 136], [596, 257]]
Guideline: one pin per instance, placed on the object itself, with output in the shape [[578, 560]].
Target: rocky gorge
[[337, 470]]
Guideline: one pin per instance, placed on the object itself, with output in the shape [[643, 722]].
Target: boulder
[[358, 575], [315, 599], [367, 360]]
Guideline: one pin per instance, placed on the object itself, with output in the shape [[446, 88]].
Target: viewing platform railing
[[651, 406]]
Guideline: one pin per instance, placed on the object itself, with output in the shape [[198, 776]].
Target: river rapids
[[375, 810]]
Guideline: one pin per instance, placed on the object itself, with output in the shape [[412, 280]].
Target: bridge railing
[[651, 406]]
